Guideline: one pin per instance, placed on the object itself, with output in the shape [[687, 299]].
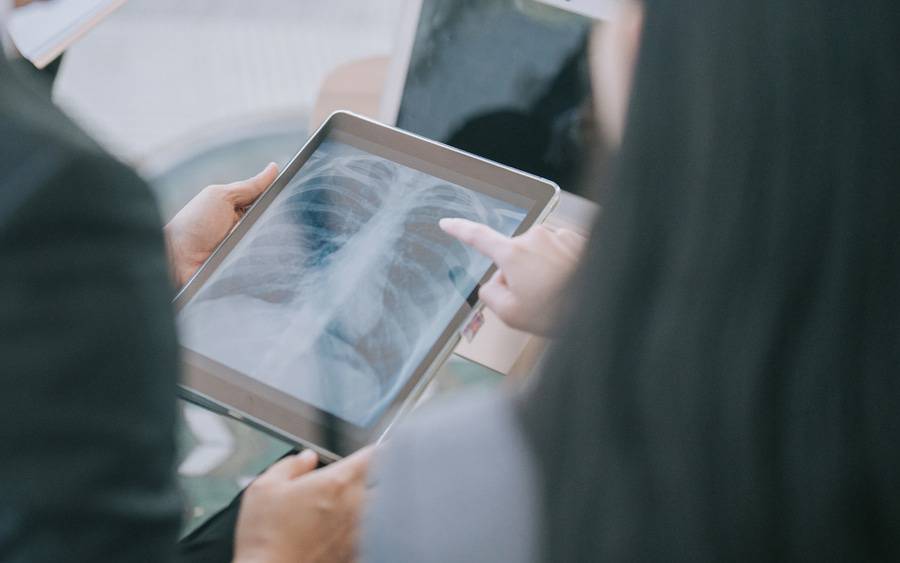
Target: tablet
[[533, 85], [326, 311]]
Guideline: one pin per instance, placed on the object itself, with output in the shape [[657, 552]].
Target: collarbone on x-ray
[[345, 283]]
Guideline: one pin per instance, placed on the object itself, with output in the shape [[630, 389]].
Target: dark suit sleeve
[[87, 366]]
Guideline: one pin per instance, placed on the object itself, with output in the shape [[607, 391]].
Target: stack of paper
[[41, 31]]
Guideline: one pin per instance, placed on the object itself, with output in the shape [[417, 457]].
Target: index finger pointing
[[480, 237]]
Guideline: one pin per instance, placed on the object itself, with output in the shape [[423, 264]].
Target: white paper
[[41, 31]]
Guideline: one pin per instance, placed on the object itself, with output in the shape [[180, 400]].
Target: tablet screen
[[339, 290], [533, 84]]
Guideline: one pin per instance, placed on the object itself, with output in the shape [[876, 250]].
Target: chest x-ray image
[[340, 289]]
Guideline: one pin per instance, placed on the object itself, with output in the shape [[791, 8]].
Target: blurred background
[[212, 90]]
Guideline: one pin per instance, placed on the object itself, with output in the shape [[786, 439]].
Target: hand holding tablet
[[195, 231], [337, 297]]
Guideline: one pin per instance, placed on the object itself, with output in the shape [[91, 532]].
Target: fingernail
[[308, 455], [446, 222]]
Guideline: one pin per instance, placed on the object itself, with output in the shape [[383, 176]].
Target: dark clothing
[[87, 347], [213, 542]]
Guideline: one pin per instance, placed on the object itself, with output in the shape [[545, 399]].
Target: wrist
[[174, 258]]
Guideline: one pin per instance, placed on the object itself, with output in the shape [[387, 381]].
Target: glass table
[[219, 456]]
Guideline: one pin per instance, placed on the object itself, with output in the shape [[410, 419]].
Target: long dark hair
[[729, 389]]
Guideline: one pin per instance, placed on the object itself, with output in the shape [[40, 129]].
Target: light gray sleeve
[[456, 483]]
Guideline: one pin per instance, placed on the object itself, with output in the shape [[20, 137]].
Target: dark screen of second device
[[504, 79]]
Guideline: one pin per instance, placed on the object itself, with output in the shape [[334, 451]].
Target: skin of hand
[[526, 292], [294, 513], [193, 234]]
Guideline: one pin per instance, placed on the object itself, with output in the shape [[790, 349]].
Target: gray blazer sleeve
[[456, 483]]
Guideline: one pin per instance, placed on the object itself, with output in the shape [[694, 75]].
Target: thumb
[[292, 467], [245, 192]]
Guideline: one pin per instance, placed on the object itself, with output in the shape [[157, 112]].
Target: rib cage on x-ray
[[337, 293]]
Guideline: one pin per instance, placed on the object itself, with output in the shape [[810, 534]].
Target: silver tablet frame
[[215, 386]]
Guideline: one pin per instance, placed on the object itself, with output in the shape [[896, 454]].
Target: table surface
[[219, 456], [174, 68]]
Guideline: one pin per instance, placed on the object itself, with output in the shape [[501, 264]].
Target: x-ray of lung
[[340, 289]]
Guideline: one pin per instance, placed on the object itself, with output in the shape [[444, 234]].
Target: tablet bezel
[[240, 396]]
